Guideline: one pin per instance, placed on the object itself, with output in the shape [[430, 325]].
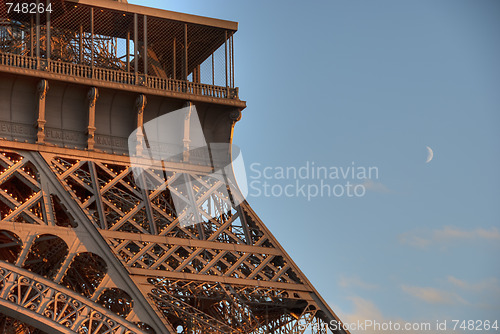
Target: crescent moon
[[430, 154]]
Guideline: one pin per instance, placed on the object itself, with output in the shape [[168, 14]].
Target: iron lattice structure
[[85, 249]]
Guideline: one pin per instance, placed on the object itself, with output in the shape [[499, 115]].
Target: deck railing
[[115, 76]]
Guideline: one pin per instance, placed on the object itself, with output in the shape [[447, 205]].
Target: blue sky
[[374, 83]]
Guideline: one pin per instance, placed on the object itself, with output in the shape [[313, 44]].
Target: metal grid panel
[[105, 38], [77, 38]]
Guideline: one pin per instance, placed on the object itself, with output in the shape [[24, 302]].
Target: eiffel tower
[[84, 248]]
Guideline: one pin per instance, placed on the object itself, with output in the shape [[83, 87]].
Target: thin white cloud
[[447, 234], [490, 285], [450, 232], [484, 294], [366, 312], [377, 187], [410, 238], [433, 295], [355, 282]]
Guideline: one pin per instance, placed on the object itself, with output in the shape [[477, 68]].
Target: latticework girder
[[225, 275]]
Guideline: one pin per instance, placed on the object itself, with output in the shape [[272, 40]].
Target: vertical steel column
[[213, 70], [225, 46], [232, 60], [145, 38], [48, 29], [185, 76], [32, 53], [81, 44], [140, 104], [37, 16], [136, 40], [187, 128], [128, 51], [42, 89], [92, 37], [174, 54], [92, 96]]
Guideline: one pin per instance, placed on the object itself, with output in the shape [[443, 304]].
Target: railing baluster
[[77, 70]]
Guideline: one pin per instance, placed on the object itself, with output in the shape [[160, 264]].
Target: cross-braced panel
[[223, 254], [39, 234], [226, 274], [20, 190], [127, 208]]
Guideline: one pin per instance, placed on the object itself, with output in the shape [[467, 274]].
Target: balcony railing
[[114, 76]]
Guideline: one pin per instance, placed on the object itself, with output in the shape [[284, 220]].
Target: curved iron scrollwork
[[58, 305]]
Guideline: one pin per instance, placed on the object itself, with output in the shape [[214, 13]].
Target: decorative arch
[[85, 273], [40, 303], [46, 255]]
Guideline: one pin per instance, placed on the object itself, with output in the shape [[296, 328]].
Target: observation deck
[[116, 45]]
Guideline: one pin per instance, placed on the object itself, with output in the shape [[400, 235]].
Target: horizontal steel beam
[[211, 278], [107, 158], [160, 239]]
